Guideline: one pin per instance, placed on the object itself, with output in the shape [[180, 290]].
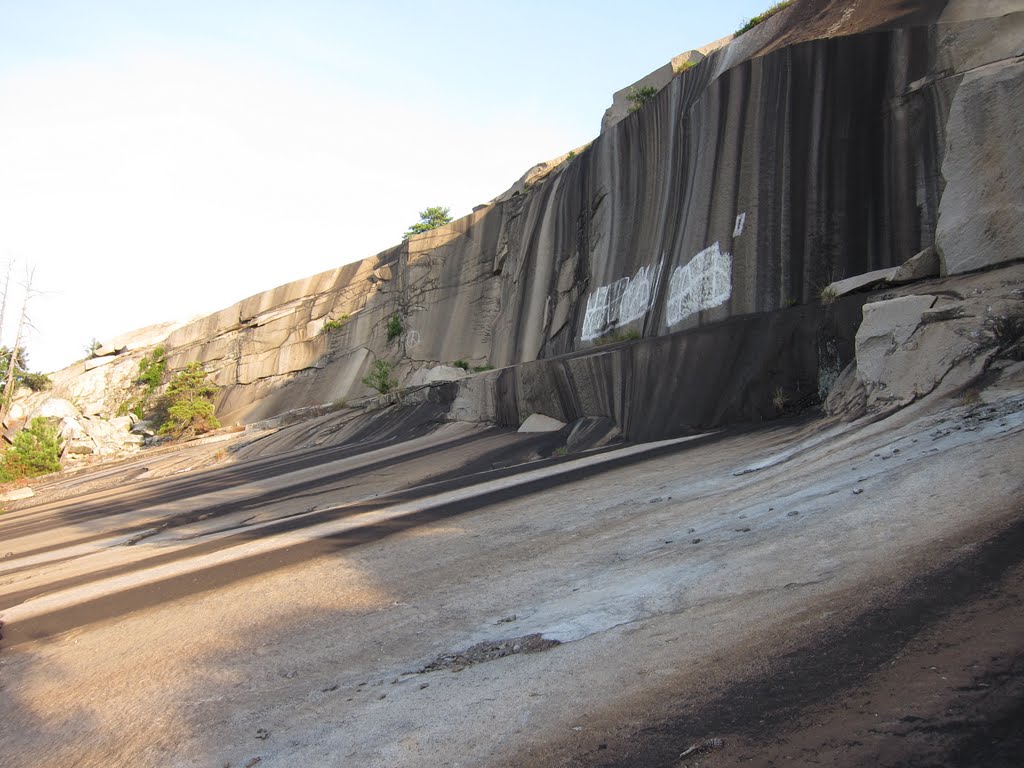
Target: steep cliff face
[[833, 140]]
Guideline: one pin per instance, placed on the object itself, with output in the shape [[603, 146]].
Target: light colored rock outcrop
[[54, 408]]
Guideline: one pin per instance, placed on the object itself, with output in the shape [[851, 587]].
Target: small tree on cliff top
[[431, 218]]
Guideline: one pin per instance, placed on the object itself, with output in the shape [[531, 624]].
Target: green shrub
[[461, 364], [37, 382], [395, 328], [684, 66], [152, 368], [482, 368], [640, 96], [334, 325], [380, 377], [36, 451], [188, 404], [431, 218], [764, 16]]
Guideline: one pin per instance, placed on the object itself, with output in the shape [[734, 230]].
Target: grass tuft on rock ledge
[[764, 16]]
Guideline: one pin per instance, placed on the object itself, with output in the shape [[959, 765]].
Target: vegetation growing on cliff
[[640, 96], [395, 328], [188, 404], [152, 368], [334, 325], [36, 451], [764, 16], [380, 377], [431, 218], [37, 382]]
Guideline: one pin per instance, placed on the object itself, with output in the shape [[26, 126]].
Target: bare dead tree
[[23, 325], [3, 296]]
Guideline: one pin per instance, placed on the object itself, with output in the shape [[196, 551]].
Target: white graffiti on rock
[[703, 283], [621, 302]]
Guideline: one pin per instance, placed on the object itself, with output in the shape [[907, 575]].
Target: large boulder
[[538, 422], [54, 408]]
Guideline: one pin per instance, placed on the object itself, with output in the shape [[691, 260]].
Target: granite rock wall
[[833, 140]]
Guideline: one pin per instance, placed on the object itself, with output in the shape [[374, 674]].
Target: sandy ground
[[812, 594]]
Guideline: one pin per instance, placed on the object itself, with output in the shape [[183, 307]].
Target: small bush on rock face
[[461, 364], [152, 368], [36, 451], [395, 327], [640, 96], [334, 325], [380, 377], [151, 375], [188, 404]]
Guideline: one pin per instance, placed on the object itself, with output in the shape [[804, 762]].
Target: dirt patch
[[490, 650]]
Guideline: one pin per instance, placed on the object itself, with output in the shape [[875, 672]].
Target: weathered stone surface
[[887, 326], [728, 372], [54, 408], [82, 447], [918, 267], [97, 362], [17, 411], [71, 428], [861, 282], [122, 423], [981, 218], [538, 422], [17, 494], [592, 432], [436, 373], [916, 345], [474, 401], [848, 397]]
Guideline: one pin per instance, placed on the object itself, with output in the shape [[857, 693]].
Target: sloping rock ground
[[787, 589], [689, 584]]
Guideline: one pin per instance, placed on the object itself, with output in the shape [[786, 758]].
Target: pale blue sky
[[163, 159]]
